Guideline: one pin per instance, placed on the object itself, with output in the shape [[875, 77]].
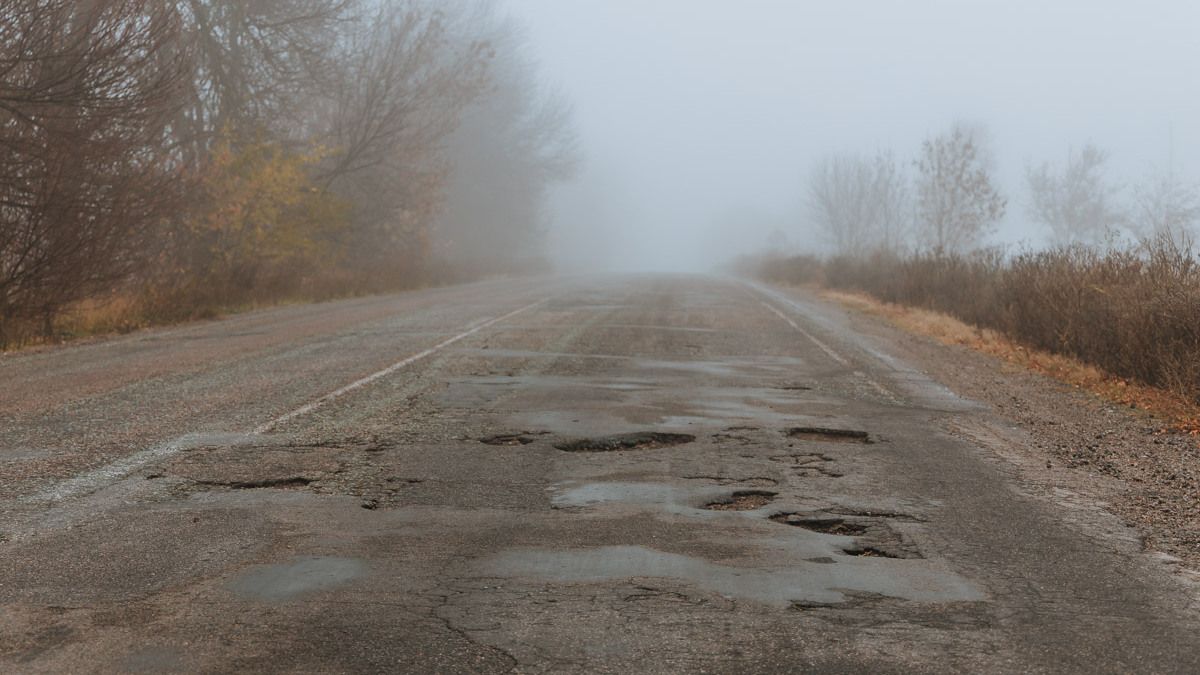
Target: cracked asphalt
[[648, 474]]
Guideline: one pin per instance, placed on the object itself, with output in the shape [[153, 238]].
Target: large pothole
[[828, 435], [742, 500], [520, 438], [645, 440], [825, 525]]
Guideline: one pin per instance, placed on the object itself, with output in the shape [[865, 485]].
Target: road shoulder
[[1068, 443]]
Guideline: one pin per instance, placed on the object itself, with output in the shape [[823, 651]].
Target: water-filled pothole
[[646, 440], [824, 525], [829, 435], [742, 500]]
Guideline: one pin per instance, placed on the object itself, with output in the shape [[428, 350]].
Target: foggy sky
[[699, 119]]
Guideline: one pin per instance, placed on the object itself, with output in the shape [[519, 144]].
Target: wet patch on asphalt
[[645, 440], [828, 435], [780, 586], [278, 583], [742, 500]]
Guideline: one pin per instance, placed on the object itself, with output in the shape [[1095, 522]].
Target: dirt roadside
[[1116, 455]]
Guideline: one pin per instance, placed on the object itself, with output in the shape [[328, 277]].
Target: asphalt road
[[655, 474]]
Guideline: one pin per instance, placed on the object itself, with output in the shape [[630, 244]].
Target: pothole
[[829, 435], [869, 513], [824, 525], [870, 552], [646, 440], [755, 481], [742, 500], [291, 482], [522, 438]]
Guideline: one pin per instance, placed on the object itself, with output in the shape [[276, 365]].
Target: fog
[[700, 120]]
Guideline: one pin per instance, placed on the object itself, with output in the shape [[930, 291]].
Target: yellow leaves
[[261, 212]]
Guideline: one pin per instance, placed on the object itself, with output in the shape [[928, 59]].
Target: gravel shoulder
[[1074, 440]]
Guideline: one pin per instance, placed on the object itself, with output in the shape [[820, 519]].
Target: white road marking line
[[830, 351], [309, 407], [812, 338], [121, 468]]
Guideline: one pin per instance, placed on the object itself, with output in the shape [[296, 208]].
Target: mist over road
[[655, 473]]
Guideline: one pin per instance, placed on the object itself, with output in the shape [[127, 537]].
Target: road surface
[[648, 474]]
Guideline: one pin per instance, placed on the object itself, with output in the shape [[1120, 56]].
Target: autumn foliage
[[174, 158]]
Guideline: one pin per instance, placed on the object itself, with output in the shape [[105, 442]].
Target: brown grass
[[1177, 412]]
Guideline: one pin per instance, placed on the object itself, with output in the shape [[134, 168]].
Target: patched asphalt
[[651, 474]]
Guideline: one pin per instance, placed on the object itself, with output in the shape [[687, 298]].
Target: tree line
[[946, 201], [202, 153]]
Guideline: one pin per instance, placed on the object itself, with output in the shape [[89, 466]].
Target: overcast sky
[[700, 119]]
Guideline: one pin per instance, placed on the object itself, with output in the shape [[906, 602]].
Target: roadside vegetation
[[170, 159], [1118, 289]]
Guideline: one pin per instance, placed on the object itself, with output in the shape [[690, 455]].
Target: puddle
[[915, 580], [742, 500], [277, 583], [836, 526], [666, 497], [647, 440], [829, 435]]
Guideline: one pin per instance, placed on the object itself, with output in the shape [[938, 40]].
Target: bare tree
[[861, 204], [957, 205], [403, 82], [1165, 207], [1075, 202], [86, 90], [255, 65], [515, 140]]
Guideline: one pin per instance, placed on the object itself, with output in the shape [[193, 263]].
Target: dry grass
[[1175, 411]]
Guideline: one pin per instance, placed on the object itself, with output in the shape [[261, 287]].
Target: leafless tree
[[86, 90], [862, 204], [1166, 208], [515, 140], [957, 205], [255, 65], [1074, 201], [403, 82]]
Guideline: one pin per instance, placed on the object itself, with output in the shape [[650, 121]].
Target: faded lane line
[[121, 468], [812, 338], [309, 407], [829, 351]]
